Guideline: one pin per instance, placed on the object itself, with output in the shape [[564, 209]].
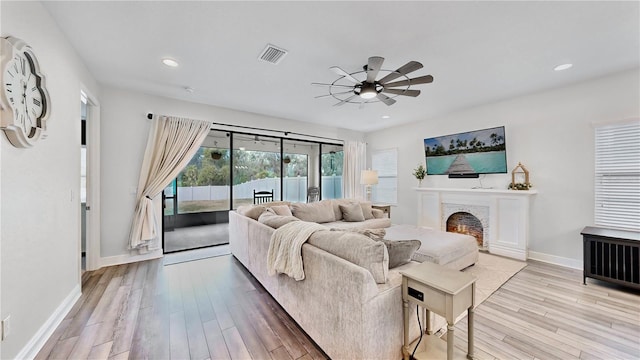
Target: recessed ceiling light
[[385, 116], [563, 67], [170, 62]]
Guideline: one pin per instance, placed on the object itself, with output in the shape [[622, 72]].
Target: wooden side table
[[385, 208], [444, 291]]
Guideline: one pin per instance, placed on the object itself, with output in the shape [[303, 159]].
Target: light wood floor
[[212, 308]]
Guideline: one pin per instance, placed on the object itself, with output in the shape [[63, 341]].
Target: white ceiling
[[478, 52]]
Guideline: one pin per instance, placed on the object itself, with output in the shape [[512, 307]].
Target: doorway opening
[[89, 247], [83, 183]]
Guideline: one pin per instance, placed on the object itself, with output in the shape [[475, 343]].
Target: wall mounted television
[[467, 154]]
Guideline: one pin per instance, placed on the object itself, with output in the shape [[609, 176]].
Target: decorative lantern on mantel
[[520, 178]]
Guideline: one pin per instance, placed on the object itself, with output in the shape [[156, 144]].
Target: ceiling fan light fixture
[[368, 94], [368, 91], [371, 90]]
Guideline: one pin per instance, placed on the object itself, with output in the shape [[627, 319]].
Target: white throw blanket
[[285, 248]]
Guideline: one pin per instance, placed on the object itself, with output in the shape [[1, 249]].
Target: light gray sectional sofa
[[339, 304]]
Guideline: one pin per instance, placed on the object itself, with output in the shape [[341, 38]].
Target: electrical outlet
[[6, 328]]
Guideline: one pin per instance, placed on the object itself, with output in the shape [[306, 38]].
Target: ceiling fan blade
[[413, 93], [342, 102], [373, 66], [321, 84], [339, 93], [405, 69], [347, 76], [419, 80], [385, 99]]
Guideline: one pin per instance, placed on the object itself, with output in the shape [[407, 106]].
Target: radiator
[[611, 255]]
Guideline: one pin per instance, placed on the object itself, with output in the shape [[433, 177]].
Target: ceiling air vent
[[272, 54]]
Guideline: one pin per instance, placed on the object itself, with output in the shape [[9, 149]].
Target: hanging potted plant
[[420, 172]]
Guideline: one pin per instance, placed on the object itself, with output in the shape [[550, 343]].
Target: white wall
[[124, 131], [549, 132], [40, 190]]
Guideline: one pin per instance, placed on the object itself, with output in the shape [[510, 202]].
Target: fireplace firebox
[[465, 223]]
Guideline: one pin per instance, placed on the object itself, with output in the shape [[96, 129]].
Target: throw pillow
[[367, 210], [351, 212], [378, 214], [318, 212], [282, 210], [400, 251], [251, 211], [276, 203], [374, 234], [270, 218]]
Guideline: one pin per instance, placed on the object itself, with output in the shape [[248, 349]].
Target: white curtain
[[171, 144], [355, 160]]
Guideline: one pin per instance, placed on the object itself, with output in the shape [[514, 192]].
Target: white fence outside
[[295, 189]]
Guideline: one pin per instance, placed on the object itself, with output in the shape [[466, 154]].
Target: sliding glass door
[[196, 204], [331, 161], [257, 167], [300, 171], [203, 185], [233, 169]]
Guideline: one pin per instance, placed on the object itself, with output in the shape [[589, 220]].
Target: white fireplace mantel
[[506, 230]]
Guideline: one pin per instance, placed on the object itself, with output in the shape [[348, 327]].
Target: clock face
[[23, 93], [21, 89]]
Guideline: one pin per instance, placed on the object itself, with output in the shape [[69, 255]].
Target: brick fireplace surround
[[503, 215]]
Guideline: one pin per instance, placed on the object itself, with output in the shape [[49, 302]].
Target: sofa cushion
[[270, 218], [400, 251], [318, 212], [276, 203], [367, 224], [351, 212], [251, 211], [283, 210], [356, 248], [373, 234], [438, 247]]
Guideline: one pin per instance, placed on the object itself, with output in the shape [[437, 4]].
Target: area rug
[[492, 272]]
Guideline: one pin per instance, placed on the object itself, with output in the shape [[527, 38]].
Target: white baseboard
[[126, 258], [556, 260], [31, 349], [508, 252]]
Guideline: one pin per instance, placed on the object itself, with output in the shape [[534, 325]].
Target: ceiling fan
[[349, 89]]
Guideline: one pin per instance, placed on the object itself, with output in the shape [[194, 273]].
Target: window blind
[[386, 163], [617, 176]]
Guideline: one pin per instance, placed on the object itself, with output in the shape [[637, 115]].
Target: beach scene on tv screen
[[480, 152]]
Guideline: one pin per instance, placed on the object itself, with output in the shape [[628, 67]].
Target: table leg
[[424, 320], [470, 313], [427, 321], [405, 344], [450, 327]]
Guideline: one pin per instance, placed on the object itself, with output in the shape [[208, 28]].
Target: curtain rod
[[286, 133]]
